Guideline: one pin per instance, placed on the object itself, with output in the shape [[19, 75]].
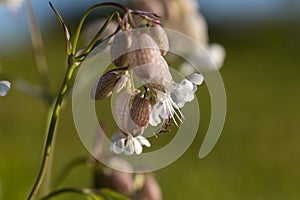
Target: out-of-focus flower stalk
[[38, 50]]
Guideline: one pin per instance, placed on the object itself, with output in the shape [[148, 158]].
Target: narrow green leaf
[[65, 28]]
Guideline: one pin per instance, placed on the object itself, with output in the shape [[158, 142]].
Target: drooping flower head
[[138, 57]]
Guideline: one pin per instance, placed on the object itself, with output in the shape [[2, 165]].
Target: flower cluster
[[139, 55]]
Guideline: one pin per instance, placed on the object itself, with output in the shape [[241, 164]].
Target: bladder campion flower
[[138, 55]]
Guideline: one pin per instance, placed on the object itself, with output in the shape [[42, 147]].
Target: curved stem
[[100, 5], [55, 114], [84, 191], [98, 35]]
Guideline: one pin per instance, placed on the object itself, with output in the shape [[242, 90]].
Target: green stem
[[98, 35], [100, 5], [51, 131], [84, 191]]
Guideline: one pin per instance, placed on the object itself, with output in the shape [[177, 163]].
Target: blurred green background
[[257, 156]]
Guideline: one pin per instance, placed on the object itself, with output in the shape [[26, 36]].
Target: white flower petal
[[183, 93], [137, 146], [119, 146], [190, 97], [4, 88], [129, 147], [196, 79], [143, 141], [118, 141], [186, 85], [166, 110], [154, 116]]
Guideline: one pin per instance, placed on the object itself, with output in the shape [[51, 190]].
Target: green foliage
[[94, 197]]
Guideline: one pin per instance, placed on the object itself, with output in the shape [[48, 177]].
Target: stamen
[[179, 110], [172, 111]]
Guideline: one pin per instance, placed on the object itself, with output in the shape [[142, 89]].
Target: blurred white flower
[[14, 5], [4, 88], [217, 54], [212, 57], [128, 144], [11, 2]]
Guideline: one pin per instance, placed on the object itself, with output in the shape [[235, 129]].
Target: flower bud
[[119, 47], [104, 86], [140, 111]]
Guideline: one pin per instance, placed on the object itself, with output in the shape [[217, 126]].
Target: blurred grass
[[257, 156]]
